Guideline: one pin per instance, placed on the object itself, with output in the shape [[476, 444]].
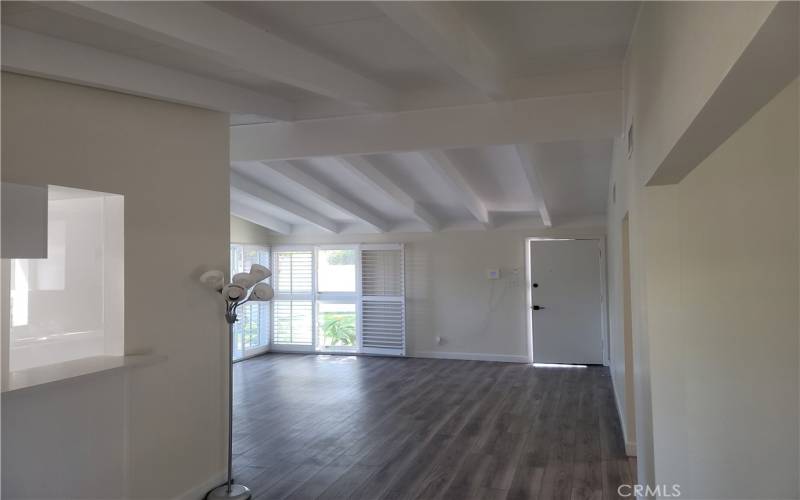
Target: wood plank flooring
[[332, 427]]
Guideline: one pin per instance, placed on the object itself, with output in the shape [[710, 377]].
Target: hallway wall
[[693, 366], [722, 294]]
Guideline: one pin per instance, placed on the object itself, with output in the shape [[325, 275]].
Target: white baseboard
[[470, 356], [291, 349], [199, 491]]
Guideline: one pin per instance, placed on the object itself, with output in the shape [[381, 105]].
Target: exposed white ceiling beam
[[534, 181], [525, 121], [327, 195], [441, 28], [242, 186], [200, 28], [38, 55], [448, 172], [250, 214], [366, 171]]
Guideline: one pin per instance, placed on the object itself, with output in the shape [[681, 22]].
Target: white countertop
[[71, 370]]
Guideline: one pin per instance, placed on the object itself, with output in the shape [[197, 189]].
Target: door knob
[[536, 308]]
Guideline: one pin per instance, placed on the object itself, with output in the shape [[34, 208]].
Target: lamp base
[[238, 492]]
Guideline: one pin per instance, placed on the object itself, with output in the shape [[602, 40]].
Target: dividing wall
[[156, 431]]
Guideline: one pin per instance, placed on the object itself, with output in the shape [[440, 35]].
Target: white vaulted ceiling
[[367, 116]]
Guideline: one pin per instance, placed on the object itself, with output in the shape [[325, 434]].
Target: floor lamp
[[235, 295]]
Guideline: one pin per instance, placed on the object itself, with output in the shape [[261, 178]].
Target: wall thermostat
[[493, 274]]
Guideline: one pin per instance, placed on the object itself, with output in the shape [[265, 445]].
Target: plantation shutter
[[292, 307], [252, 328], [382, 300]]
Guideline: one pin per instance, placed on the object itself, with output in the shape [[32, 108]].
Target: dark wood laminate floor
[[309, 426]]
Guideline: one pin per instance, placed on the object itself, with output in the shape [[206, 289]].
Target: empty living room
[[433, 250]]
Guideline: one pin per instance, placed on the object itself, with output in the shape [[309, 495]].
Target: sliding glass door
[[337, 298]]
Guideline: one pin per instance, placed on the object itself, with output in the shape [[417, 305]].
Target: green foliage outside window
[[341, 257], [339, 329]]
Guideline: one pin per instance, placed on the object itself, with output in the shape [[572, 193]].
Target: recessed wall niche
[[69, 305]]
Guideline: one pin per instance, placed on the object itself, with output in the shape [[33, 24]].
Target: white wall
[[448, 294], [679, 54], [158, 431], [693, 366], [722, 294], [618, 208], [243, 231]]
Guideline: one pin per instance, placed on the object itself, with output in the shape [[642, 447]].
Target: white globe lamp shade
[[213, 279], [262, 292]]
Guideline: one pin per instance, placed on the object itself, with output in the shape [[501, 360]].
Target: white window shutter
[[383, 300], [292, 307]]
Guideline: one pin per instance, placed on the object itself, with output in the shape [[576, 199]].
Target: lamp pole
[[229, 490], [236, 294]]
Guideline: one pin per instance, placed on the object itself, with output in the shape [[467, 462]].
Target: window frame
[[353, 297], [284, 296], [316, 297], [263, 308]]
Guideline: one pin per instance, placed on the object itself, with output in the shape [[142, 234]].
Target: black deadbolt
[[536, 308], [536, 285]]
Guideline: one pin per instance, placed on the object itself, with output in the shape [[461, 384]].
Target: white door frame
[[529, 295]]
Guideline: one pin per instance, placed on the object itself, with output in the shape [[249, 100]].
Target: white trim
[[601, 242], [471, 356], [604, 297], [382, 246], [199, 491], [293, 348], [528, 300], [630, 446], [256, 351]]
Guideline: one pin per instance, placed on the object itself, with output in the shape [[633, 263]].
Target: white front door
[[566, 301]]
